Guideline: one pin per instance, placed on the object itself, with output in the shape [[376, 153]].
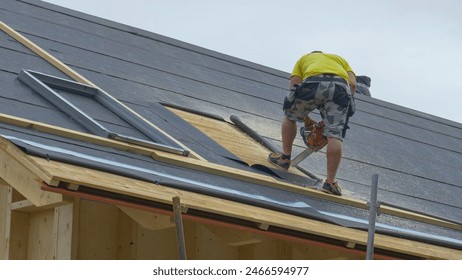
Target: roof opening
[[252, 151], [98, 112]]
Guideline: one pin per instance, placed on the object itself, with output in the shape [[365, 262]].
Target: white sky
[[411, 49]]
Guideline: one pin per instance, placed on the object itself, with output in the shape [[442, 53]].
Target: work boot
[[280, 160], [332, 188]]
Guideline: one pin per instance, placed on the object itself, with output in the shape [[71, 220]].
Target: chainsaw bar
[[303, 155]]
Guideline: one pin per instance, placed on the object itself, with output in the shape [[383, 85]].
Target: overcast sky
[[411, 49]]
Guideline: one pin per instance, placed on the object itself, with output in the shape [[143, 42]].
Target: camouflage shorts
[[330, 98]]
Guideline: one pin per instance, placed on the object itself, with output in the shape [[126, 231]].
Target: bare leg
[[334, 156], [288, 131]]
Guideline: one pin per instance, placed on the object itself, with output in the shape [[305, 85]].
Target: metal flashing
[[45, 85]]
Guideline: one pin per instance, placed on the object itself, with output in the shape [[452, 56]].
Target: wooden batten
[[62, 232], [72, 134], [43, 54], [24, 206]]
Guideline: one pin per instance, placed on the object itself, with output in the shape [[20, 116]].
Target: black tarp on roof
[[418, 156]]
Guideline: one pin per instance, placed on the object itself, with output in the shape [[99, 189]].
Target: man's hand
[[352, 82], [296, 80]]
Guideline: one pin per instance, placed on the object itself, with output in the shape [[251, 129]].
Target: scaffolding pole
[[372, 216], [179, 228]]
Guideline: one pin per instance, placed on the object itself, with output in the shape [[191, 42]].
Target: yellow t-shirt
[[313, 64]]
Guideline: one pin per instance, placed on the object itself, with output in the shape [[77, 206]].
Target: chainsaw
[[312, 135]]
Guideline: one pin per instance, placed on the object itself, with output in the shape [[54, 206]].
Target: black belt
[[326, 78]]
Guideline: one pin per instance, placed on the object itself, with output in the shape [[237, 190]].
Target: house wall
[[90, 230], [30, 233]]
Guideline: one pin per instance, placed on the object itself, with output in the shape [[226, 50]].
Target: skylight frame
[[45, 84]]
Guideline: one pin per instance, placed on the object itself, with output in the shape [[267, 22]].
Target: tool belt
[[326, 78]]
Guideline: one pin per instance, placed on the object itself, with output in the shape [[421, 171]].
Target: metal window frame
[[43, 84]]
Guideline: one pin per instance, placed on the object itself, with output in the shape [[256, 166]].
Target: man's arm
[[352, 82], [296, 80]]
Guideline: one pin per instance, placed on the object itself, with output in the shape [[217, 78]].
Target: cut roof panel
[[251, 152]]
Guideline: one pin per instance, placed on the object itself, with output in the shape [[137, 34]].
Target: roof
[[193, 98]]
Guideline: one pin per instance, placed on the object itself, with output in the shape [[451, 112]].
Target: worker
[[325, 82]]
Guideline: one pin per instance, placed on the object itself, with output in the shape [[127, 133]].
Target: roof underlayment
[[418, 156]]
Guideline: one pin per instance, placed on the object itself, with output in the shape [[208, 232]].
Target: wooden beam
[[26, 206], [41, 235], [6, 193], [19, 236], [21, 173], [75, 228], [149, 220], [72, 134], [43, 54], [98, 231], [62, 232], [23, 206]]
